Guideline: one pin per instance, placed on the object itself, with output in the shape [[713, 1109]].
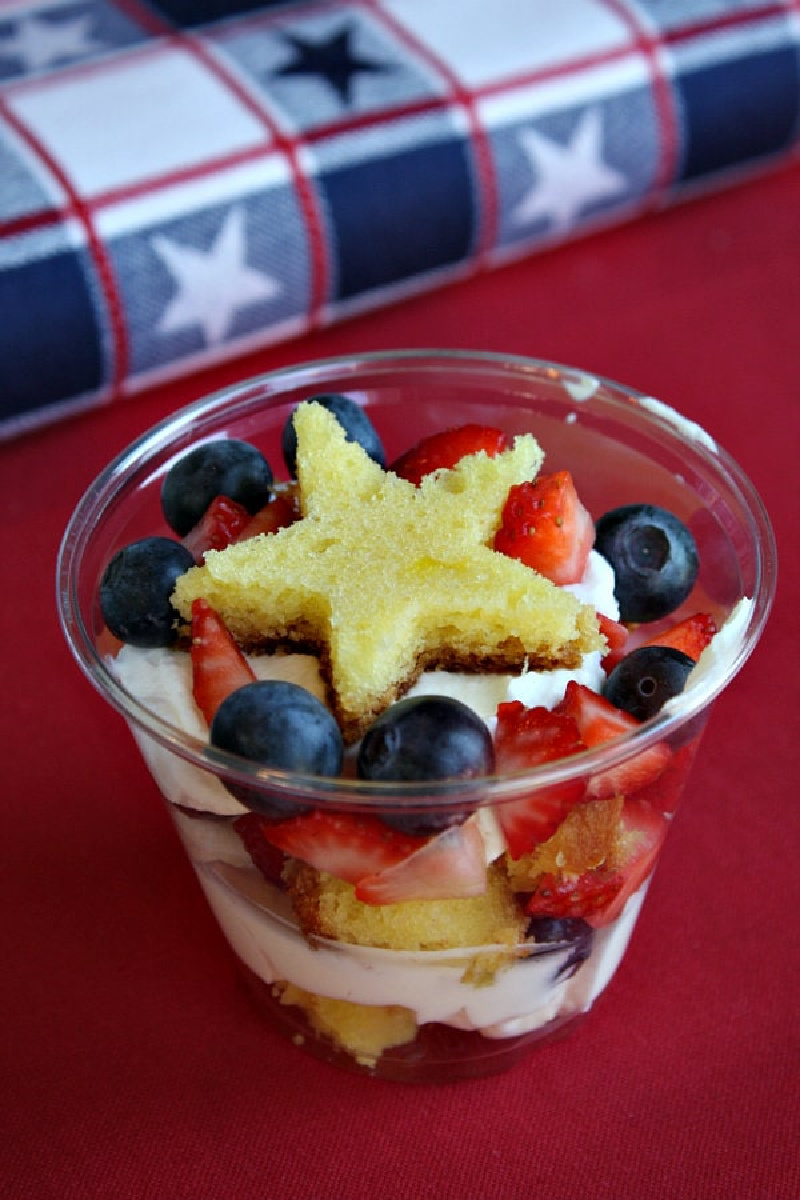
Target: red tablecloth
[[132, 1064]]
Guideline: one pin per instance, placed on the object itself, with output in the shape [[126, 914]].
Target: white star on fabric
[[567, 178], [214, 284], [39, 44]]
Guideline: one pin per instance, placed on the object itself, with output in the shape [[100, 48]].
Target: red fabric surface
[[132, 1064]]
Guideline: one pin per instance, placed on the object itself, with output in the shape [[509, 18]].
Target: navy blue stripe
[[739, 111]]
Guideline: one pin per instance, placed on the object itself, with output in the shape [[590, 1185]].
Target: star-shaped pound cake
[[384, 579]]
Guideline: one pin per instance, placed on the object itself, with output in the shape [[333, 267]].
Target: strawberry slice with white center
[[450, 866], [545, 526], [525, 738], [351, 846], [218, 665], [598, 721]]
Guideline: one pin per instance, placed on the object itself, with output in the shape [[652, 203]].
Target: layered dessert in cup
[[419, 648]]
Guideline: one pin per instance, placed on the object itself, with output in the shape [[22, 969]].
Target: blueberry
[[646, 678], [564, 929], [223, 468], [654, 557], [136, 587], [421, 739], [353, 420], [281, 725]]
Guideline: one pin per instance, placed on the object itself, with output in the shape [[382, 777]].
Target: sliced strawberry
[[267, 858], [599, 721], [525, 738], [449, 866], [664, 792], [218, 665], [447, 448], [545, 526], [281, 511], [220, 524], [107, 645], [584, 895], [596, 718], [350, 846], [646, 829], [616, 636], [691, 635], [615, 633]]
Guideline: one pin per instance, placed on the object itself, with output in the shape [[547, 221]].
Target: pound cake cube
[[328, 907]]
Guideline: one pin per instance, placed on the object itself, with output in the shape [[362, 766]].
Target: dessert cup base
[[438, 1054]]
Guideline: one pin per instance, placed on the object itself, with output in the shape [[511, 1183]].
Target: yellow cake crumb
[[363, 1030], [585, 839], [328, 907]]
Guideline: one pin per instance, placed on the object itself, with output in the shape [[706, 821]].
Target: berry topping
[[575, 896], [654, 557], [279, 725], [665, 792], [558, 929], [528, 737], [574, 930], [545, 526], [136, 588], [691, 636], [451, 866], [420, 739], [350, 846], [268, 859], [616, 636], [218, 665], [444, 450], [598, 721], [646, 678], [525, 738], [222, 468], [281, 511], [221, 524], [353, 420]]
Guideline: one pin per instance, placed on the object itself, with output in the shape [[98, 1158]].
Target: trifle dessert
[[421, 710]]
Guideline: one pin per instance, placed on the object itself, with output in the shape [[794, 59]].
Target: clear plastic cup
[[405, 1012]]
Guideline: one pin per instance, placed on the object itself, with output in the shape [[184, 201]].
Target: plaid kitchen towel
[[182, 181]]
